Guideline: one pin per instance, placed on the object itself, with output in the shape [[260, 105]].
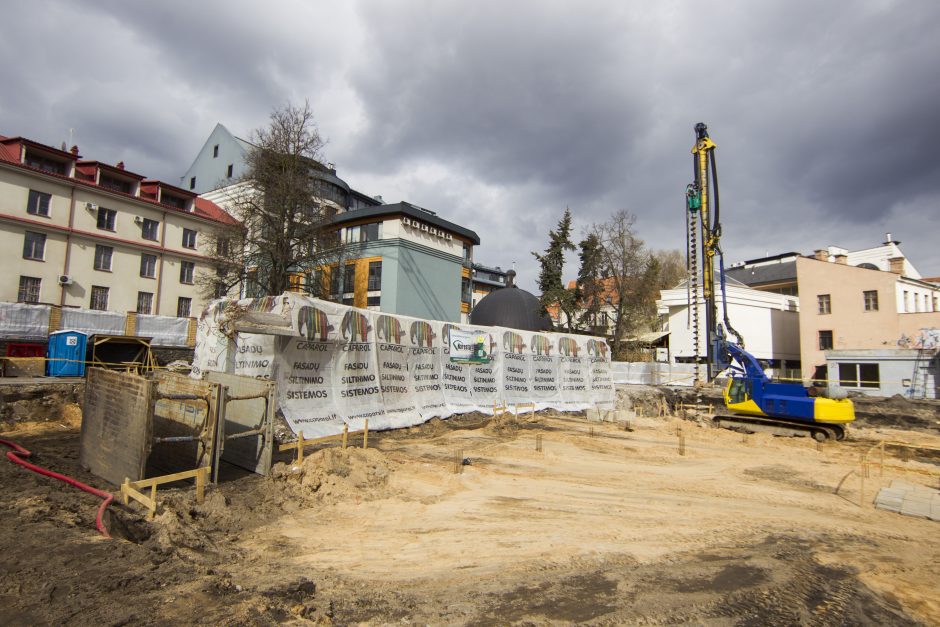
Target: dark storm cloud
[[498, 115]]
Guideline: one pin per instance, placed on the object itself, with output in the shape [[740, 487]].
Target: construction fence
[[22, 322]]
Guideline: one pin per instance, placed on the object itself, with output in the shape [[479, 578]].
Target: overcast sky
[[498, 115]]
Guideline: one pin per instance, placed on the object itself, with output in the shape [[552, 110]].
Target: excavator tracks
[[820, 432]]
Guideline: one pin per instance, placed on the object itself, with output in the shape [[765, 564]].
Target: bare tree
[[284, 204], [632, 277]]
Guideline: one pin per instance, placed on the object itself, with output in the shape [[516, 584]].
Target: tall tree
[[624, 260], [554, 293], [282, 203], [632, 277], [589, 290]]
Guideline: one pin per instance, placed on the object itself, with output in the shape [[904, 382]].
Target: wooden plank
[[140, 497], [176, 476]]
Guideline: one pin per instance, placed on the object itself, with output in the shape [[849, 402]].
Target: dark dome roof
[[511, 307]]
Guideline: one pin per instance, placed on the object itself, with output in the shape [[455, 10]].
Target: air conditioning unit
[[65, 279], [138, 219], [91, 206]]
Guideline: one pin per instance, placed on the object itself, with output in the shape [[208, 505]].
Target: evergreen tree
[[552, 263]]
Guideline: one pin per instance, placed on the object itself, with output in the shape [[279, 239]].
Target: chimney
[[897, 265], [74, 150], [120, 165], [887, 238], [842, 259], [821, 255]]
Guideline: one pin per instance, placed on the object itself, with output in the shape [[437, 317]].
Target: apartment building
[[397, 258], [406, 260], [849, 307], [83, 233]]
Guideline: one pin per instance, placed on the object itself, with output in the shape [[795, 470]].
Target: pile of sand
[[335, 474]]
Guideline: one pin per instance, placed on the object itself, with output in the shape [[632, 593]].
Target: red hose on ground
[[18, 455]]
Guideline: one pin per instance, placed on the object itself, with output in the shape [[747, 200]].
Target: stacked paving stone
[[909, 499]]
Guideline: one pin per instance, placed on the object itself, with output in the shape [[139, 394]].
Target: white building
[[768, 322]]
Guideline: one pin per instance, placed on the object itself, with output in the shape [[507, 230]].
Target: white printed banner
[[347, 365]]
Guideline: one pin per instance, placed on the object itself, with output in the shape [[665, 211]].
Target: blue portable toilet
[[65, 356]]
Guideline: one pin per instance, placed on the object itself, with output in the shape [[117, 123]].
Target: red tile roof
[[10, 152], [208, 209]]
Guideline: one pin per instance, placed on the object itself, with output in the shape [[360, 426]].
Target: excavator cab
[[737, 391]]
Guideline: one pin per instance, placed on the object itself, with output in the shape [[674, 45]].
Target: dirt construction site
[[541, 518]]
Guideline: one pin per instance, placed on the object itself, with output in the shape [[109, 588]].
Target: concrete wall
[[652, 373]]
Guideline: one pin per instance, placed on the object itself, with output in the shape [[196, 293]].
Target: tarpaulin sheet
[[92, 321], [24, 322], [163, 330]]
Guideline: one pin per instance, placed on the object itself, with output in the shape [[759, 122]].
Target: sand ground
[[602, 526]]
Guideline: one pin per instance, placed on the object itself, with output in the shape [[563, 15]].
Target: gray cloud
[[498, 115]]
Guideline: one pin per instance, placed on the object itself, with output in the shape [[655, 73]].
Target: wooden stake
[[861, 481], [345, 434], [300, 448], [538, 442], [365, 435], [201, 484]]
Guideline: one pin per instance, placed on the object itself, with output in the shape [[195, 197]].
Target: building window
[[148, 266], [465, 292], [349, 301], [364, 233], [186, 272], [115, 184], [859, 375], [825, 340], [183, 306], [373, 301], [44, 163], [349, 278], [871, 300], [103, 257], [29, 289], [149, 228], [215, 151], [467, 253], [38, 203], [189, 238], [192, 182], [222, 248], [229, 170], [144, 302], [99, 298], [375, 276], [825, 303], [34, 245], [173, 201], [219, 291], [334, 281], [106, 218]]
